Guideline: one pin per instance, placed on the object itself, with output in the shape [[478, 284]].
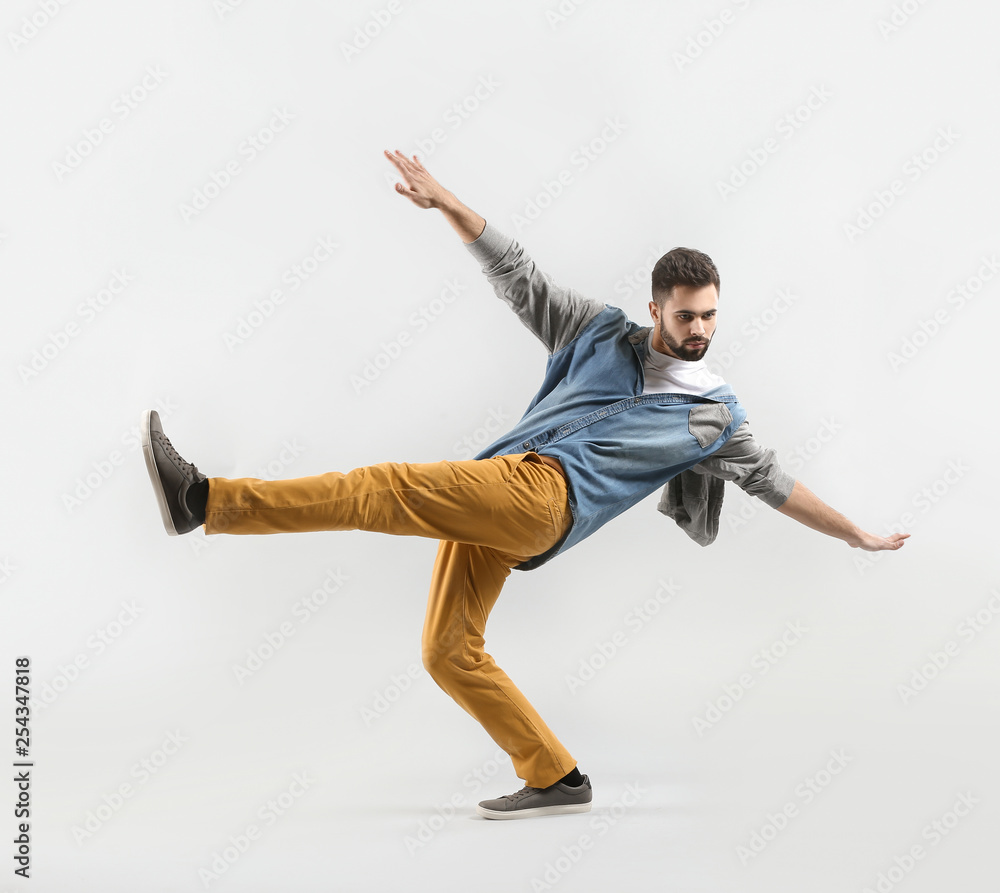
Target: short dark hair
[[682, 266]]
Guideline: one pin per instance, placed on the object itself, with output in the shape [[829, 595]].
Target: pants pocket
[[556, 515]]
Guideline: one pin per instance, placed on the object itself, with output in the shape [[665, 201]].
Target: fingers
[[405, 164], [420, 187], [398, 160]]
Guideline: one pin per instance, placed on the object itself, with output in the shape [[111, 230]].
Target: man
[[622, 411]]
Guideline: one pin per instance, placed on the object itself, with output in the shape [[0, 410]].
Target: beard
[[684, 351]]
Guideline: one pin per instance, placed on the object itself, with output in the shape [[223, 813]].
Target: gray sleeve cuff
[[780, 489], [491, 245], [755, 470]]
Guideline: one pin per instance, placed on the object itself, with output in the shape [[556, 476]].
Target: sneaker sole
[[154, 475], [569, 809]]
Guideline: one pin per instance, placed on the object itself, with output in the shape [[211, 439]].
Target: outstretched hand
[[870, 542], [421, 188]]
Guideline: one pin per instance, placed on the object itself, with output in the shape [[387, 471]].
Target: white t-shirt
[[664, 373]]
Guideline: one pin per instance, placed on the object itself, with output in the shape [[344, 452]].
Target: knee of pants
[[446, 662]]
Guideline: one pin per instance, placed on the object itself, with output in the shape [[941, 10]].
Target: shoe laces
[[524, 792], [175, 457]]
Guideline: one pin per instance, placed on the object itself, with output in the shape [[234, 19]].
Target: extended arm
[[807, 508], [756, 470], [554, 314]]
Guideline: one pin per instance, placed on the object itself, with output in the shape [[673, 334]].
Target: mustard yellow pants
[[489, 514]]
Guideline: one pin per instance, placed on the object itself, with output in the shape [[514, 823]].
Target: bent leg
[[466, 582]]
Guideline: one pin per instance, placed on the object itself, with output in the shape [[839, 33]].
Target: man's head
[[684, 305]]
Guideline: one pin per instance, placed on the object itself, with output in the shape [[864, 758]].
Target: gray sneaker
[[170, 474], [559, 799]]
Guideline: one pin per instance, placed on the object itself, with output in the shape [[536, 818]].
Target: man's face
[[687, 324]]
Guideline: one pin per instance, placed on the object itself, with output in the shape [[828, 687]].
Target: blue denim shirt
[[616, 444]]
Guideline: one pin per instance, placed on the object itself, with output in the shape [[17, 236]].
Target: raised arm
[[425, 192], [554, 314]]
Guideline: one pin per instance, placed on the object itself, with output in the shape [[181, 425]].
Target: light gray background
[[387, 799]]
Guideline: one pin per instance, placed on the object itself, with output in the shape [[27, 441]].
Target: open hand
[[421, 188], [870, 542]]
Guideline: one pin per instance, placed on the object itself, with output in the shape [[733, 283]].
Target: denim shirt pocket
[[706, 421]]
